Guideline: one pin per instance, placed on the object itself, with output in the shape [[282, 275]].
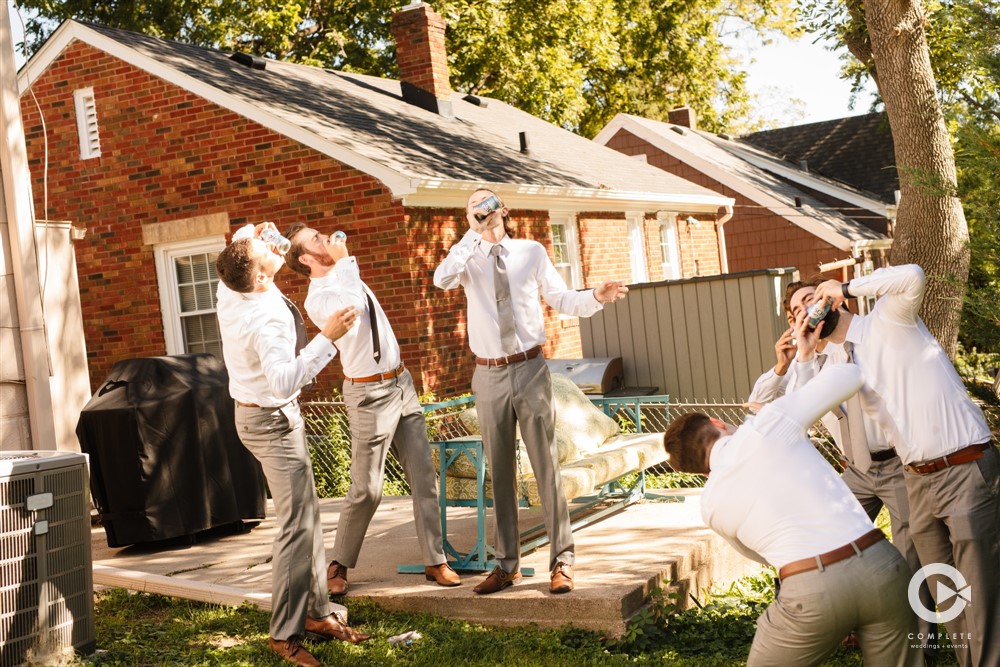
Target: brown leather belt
[[884, 455], [830, 557], [965, 455], [247, 405], [512, 359], [378, 377]]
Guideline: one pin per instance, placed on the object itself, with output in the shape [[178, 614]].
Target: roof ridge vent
[[248, 60]]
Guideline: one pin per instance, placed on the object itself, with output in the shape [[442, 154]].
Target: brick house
[[785, 214], [160, 150]]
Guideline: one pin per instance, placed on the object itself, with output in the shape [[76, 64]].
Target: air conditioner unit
[[46, 579]]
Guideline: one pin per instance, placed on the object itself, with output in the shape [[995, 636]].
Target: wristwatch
[[846, 292]]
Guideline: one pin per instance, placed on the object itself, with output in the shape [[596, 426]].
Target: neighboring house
[[785, 214], [857, 150], [160, 150]]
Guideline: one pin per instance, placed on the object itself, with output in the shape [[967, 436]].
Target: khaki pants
[[955, 520], [386, 415], [815, 610], [276, 438], [520, 394]]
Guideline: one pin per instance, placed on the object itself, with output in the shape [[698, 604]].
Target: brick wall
[[756, 238], [169, 155]]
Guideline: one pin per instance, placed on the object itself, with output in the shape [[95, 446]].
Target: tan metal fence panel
[[700, 339]]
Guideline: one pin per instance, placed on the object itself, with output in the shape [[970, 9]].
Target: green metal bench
[[610, 496]]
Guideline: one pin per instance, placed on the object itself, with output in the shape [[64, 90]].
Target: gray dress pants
[[508, 396], [955, 520], [388, 414], [815, 610], [276, 438], [884, 484]]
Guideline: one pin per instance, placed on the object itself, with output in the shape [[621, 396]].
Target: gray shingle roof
[[367, 116], [857, 150]]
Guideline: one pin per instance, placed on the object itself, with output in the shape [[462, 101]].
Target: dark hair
[[292, 257], [505, 218], [793, 287], [237, 266], [687, 439]]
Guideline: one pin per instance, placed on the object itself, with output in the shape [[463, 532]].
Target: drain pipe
[[721, 234], [19, 211]]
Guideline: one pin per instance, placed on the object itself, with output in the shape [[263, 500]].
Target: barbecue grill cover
[[165, 458]]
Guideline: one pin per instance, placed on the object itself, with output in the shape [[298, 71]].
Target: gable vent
[[86, 123]]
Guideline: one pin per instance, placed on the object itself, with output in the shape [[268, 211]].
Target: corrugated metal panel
[[698, 339]]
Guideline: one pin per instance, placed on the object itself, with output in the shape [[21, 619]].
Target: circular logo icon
[[959, 589]]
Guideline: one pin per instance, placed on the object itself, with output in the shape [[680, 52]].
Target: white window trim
[[634, 222], [668, 221], [571, 225], [166, 280], [86, 123]]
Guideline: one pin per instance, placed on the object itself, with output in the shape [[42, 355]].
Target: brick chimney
[[422, 58], [683, 116]]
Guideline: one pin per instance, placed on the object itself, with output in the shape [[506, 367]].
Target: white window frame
[[86, 123], [571, 228], [671, 266], [635, 224], [166, 278]]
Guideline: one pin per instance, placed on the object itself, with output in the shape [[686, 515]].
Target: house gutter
[[721, 233], [18, 206]]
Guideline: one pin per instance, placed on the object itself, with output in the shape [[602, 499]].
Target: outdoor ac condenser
[[46, 580]]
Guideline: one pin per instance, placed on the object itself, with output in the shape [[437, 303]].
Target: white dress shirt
[[258, 344], [770, 493], [904, 363], [529, 272], [343, 287]]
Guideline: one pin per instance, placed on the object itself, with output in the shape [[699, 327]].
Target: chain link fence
[[328, 434]]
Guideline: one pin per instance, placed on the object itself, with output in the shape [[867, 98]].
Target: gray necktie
[[854, 436], [505, 309]]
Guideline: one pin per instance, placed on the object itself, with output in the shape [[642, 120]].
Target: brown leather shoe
[[291, 650], [443, 575], [497, 581], [336, 578], [562, 578], [325, 629]]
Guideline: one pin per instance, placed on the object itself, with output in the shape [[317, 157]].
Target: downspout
[[17, 200], [721, 234]]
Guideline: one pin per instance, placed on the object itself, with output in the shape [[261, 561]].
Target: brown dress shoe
[[562, 578], [442, 574], [327, 628], [336, 578], [497, 581], [291, 650]]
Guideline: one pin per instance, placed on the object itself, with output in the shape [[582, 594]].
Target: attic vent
[[86, 123], [477, 101], [247, 60]]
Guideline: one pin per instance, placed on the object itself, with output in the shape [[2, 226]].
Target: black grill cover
[[165, 458]]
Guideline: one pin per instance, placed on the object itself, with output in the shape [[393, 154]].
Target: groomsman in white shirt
[[382, 407], [269, 361], [873, 471], [503, 278], [952, 467], [774, 498]]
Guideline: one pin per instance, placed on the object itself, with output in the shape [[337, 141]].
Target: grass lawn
[[141, 629]]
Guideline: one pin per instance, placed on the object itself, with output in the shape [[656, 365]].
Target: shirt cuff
[[244, 232]]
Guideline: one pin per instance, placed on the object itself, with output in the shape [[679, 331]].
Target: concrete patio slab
[[619, 561]]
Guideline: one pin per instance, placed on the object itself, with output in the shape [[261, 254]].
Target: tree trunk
[[930, 224]]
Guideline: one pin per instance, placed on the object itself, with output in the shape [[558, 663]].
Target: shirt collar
[[486, 247]]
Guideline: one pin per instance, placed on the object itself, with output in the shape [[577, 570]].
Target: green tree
[[574, 62], [963, 42]]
